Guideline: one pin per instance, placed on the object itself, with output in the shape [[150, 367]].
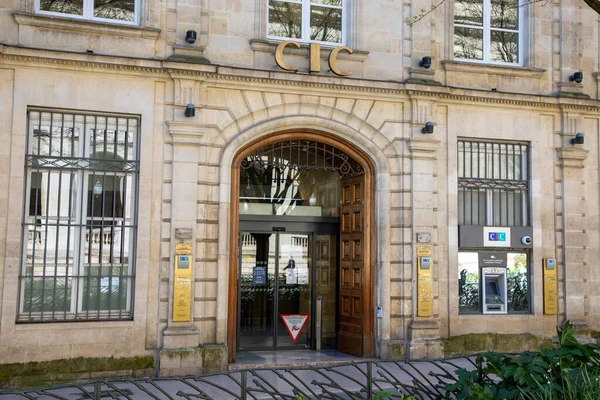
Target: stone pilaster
[[424, 332], [422, 43], [571, 162], [180, 353], [568, 46]]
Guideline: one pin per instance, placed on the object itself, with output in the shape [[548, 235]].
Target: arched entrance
[[302, 213]]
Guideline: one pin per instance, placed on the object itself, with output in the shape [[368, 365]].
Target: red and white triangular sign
[[294, 323]]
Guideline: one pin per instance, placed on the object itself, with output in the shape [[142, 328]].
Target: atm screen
[[491, 289]]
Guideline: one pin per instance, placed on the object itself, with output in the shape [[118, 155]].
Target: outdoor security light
[[190, 110], [578, 139], [577, 77], [428, 128], [425, 62], [190, 36]]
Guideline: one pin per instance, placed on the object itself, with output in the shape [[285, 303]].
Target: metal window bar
[[56, 282], [499, 171]]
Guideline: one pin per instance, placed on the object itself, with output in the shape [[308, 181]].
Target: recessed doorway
[[303, 230]]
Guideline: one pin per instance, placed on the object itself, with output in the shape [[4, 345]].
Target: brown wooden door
[[352, 267]]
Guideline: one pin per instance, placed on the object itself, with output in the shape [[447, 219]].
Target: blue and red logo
[[497, 236]]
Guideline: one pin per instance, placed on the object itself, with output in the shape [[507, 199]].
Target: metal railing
[[350, 381]]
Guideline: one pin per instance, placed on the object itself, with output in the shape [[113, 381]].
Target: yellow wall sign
[[182, 288], [550, 286], [423, 252], [424, 287], [182, 248], [314, 57]]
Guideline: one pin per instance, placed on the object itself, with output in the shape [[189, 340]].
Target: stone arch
[[376, 151]]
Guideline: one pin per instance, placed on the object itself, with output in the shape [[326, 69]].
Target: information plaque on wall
[[550, 286], [182, 286]]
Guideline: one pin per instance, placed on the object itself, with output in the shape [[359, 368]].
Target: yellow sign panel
[[182, 290], [550, 286], [424, 287], [183, 249], [423, 252]]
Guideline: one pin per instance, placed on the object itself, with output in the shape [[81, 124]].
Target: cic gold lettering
[[314, 57]]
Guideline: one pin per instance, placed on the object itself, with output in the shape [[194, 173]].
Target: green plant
[[384, 395], [558, 372], [579, 386]]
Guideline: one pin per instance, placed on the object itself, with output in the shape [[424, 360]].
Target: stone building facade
[[106, 168]]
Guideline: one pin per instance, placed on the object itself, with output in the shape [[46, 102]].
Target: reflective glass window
[[307, 20], [111, 10], [487, 30]]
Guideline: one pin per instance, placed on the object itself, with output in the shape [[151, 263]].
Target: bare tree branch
[[423, 13]]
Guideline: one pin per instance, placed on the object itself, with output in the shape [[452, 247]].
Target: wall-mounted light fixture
[[578, 139], [425, 62], [190, 36], [577, 77], [190, 110], [428, 128], [97, 188]]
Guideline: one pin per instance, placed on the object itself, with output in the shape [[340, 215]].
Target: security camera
[[577, 77], [578, 139], [190, 36], [425, 62], [190, 110], [526, 240]]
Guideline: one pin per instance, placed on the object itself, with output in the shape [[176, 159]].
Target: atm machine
[[493, 283]]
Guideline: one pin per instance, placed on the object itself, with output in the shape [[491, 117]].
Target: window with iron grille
[[79, 216], [493, 183]]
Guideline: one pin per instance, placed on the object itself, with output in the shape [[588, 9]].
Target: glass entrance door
[[257, 280], [279, 279]]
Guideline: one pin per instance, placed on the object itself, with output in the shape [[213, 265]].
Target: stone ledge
[[424, 148], [74, 369], [475, 343], [82, 26], [493, 69], [185, 133], [572, 157]]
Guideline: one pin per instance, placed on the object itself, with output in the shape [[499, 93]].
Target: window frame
[[305, 23], [74, 182], [88, 13], [487, 41]]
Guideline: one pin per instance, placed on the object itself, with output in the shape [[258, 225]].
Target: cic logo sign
[[496, 237]]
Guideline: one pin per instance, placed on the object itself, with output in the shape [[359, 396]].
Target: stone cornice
[[185, 133], [165, 69], [83, 61], [85, 26], [572, 157]]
